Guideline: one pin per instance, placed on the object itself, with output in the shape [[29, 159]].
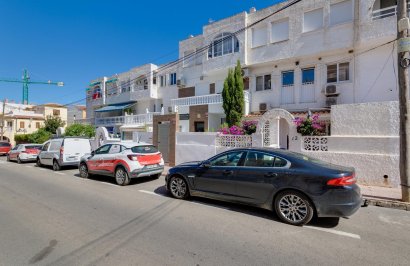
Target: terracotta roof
[[53, 105]]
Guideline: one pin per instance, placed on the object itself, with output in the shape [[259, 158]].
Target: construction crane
[[26, 80]]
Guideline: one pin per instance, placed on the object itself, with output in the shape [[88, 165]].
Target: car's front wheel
[[56, 166], [121, 177], [18, 160], [8, 158], [293, 207], [38, 162], [178, 187], [84, 170]]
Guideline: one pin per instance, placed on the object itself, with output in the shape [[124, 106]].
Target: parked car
[[295, 186], [124, 161], [5, 147], [63, 152], [24, 153]]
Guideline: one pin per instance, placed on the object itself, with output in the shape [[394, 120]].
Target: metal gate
[[163, 140]]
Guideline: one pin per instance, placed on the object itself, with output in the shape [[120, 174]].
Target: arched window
[[225, 43]]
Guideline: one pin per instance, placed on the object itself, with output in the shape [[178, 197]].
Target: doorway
[[283, 134], [163, 140]]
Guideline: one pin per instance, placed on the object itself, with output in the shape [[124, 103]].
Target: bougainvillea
[[247, 128], [308, 126]]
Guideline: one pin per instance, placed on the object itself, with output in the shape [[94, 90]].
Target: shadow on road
[[111, 180], [328, 222]]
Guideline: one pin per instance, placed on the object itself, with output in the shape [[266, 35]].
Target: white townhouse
[[310, 56]]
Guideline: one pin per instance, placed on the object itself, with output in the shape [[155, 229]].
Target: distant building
[[76, 113]]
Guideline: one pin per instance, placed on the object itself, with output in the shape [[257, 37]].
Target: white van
[[63, 152]]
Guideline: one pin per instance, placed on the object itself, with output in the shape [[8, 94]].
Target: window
[[37, 125], [341, 12], [56, 112], [163, 80], [263, 83], [338, 72], [288, 78], [279, 162], [10, 124], [257, 159], [227, 159], [212, 88], [96, 93], [280, 31], [55, 146], [225, 43], [313, 20], [144, 149], [45, 147], [173, 78], [103, 149], [259, 37], [308, 76], [22, 125], [115, 148]]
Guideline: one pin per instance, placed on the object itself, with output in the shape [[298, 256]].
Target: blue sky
[[75, 41]]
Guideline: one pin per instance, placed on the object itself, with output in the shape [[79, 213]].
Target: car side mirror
[[92, 153], [206, 164]]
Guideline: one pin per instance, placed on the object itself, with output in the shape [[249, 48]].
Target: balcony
[[202, 100], [141, 119], [136, 94], [386, 12]]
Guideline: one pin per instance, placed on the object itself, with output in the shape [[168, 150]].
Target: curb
[[393, 204]]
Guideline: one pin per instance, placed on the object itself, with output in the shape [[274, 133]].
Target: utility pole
[[2, 119], [403, 49]]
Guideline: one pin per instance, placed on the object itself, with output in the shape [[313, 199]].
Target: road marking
[[28, 166], [59, 173], [332, 231], [41, 169], [105, 183], [150, 192]]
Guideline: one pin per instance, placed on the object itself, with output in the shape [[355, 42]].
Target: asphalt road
[[57, 218]]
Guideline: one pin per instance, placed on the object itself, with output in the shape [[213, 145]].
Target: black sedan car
[[294, 185]]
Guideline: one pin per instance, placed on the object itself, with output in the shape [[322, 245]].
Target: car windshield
[[37, 147], [144, 149], [3, 144]]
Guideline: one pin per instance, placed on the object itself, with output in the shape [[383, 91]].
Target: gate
[[163, 140]]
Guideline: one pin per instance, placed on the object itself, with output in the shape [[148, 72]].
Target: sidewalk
[[384, 197]]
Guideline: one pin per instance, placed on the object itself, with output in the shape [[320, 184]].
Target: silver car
[[63, 152]]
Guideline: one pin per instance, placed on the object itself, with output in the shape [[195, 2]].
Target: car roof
[[31, 144], [130, 144]]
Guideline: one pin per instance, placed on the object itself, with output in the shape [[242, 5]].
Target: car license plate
[[151, 166]]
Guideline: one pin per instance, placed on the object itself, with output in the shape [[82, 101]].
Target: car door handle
[[227, 172], [271, 175]]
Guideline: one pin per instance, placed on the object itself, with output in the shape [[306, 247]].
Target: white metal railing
[[233, 141], [315, 143], [386, 12], [84, 121], [203, 99], [126, 120]]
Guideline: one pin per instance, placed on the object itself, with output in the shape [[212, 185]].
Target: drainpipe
[[356, 26]]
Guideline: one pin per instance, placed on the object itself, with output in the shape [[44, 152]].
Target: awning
[[111, 80], [115, 107]]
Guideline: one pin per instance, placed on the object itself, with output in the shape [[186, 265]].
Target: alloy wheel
[[83, 171], [293, 208], [178, 188], [121, 177]]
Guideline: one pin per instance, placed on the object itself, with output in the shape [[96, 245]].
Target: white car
[[24, 153], [63, 152], [123, 160]]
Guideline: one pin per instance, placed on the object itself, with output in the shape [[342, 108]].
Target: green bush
[[78, 130], [40, 136], [22, 138]]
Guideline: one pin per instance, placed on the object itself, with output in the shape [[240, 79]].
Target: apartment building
[[310, 56], [76, 112]]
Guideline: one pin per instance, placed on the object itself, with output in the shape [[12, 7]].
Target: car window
[[37, 147], [144, 149], [4, 144], [103, 149], [15, 148], [227, 159], [45, 147], [279, 162], [259, 159], [55, 146], [115, 148]]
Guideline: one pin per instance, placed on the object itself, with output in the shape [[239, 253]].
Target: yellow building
[[52, 109]]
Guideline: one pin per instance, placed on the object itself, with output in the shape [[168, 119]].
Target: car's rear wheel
[[293, 207], [121, 176], [56, 166], [8, 158], [84, 170], [178, 187]]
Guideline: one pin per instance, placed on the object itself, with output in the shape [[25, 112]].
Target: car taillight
[[342, 181], [61, 150], [133, 157]]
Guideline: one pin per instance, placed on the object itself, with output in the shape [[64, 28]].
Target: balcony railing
[[202, 100], [84, 121], [386, 12], [140, 119]]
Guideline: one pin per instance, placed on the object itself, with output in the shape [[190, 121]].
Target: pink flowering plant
[[309, 126], [247, 128]]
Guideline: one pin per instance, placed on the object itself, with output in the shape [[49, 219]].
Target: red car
[[5, 147]]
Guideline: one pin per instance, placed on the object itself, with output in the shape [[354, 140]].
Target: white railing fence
[[386, 12], [202, 99], [126, 120], [233, 141]]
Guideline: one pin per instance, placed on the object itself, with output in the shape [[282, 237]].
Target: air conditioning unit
[[331, 101], [201, 78], [263, 107], [245, 72], [181, 83], [170, 109], [331, 90]]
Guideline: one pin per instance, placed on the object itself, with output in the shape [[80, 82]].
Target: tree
[[40, 136], [233, 96], [52, 123], [78, 130]]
